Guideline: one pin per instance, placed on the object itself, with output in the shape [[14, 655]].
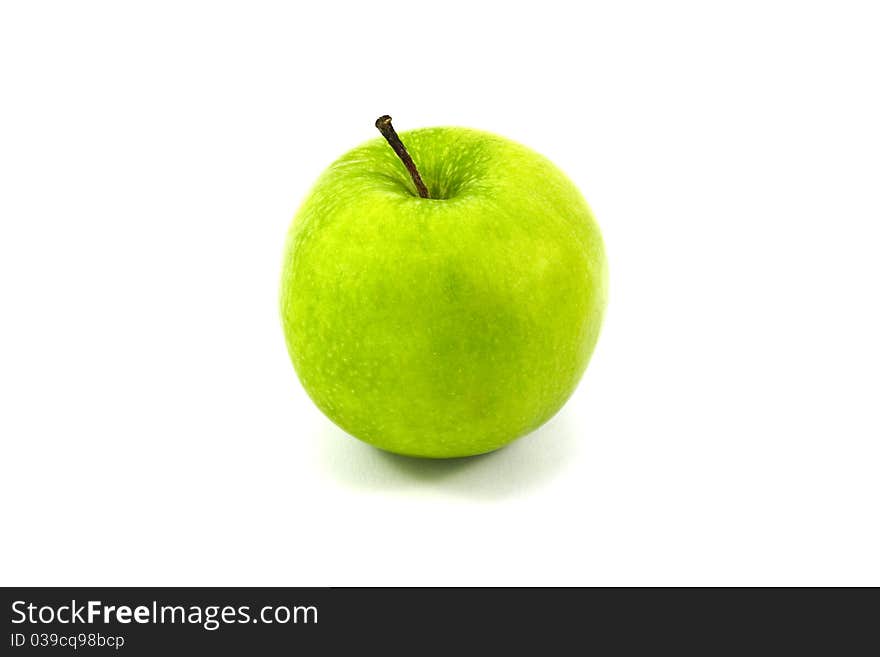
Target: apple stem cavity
[[383, 123]]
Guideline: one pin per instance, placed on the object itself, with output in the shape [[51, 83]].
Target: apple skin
[[448, 326]]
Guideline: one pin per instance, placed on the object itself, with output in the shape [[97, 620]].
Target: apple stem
[[383, 123]]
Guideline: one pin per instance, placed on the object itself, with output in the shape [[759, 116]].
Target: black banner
[[185, 621]]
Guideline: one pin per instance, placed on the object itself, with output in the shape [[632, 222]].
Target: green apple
[[450, 325]]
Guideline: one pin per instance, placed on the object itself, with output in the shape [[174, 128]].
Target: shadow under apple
[[525, 464]]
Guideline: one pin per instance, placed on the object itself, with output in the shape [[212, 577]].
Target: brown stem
[[387, 130]]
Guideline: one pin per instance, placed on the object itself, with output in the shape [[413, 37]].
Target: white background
[[153, 431]]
